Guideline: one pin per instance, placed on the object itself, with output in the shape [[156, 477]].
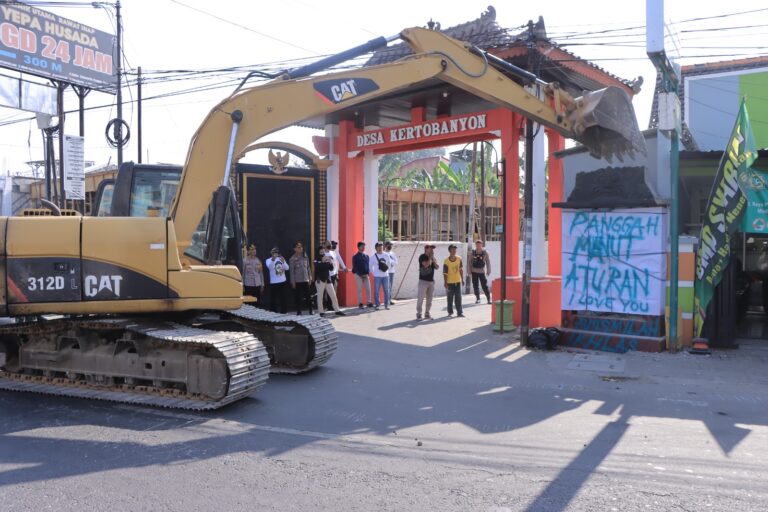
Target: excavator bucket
[[604, 121]]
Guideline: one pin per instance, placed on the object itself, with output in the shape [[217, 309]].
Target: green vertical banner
[[723, 216]]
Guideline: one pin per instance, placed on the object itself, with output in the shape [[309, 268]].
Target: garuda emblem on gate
[[279, 162]]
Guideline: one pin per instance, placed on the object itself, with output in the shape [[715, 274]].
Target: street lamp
[[501, 171]]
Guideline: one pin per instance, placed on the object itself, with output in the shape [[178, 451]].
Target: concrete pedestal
[[545, 300]]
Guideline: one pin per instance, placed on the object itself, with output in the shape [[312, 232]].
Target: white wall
[[407, 273]]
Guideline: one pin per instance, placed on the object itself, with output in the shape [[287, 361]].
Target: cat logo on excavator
[[338, 91]]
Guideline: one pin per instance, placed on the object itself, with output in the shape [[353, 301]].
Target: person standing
[[336, 254], [392, 265], [323, 267], [361, 269], [253, 275], [328, 252], [301, 276], [453, 276], [331, 252], [277, 267], [427, 266], [480, 268], [380, 270]]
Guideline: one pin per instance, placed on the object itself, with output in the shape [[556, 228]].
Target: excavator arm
[[604, 121]]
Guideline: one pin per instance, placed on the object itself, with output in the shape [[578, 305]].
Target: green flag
[[725, 208]]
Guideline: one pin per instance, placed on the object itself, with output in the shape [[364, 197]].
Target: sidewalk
[[472, 339]]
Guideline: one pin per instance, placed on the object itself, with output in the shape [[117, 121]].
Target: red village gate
[[435, 115], [353, 145]]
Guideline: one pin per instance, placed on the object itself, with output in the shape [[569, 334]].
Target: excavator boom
[[604, 121]]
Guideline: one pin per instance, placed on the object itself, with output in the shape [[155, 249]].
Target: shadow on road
[[372, 386]]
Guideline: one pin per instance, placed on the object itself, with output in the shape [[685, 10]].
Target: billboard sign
[[25, 95], [41, 43]]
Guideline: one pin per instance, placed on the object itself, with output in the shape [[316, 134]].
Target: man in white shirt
[[380, 263], [393, 264], [338, 263], [277, 289], [337, 256]]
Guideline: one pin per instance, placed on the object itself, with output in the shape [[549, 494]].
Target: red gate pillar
[[510, 151], [556, 195], [351, 192]]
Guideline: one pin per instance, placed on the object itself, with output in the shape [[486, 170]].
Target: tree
[[389, 165]]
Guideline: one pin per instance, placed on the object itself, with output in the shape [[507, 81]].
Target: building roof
[[482, 32], [705, 68], [554, 63], [428, 163], [715, 155], [723, 66]]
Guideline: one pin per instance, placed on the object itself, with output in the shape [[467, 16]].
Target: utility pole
[[525, 307], [119, 123], [504, 176], [669, 123], [482, 191], [60, 86], [471, 218], [138, 94]]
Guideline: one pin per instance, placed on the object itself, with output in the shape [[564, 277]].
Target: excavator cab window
[[102, 206], [152, 192], [229, 251]]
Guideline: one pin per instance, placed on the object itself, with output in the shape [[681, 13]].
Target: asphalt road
[[409, 415]]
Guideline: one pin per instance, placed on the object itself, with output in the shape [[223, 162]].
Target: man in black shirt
[[361, 268], [480, 268], [323, 283], [427, 266]]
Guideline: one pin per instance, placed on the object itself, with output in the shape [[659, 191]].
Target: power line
[[642, 27], [238, 25]]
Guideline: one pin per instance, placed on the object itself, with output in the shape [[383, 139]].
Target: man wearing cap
[[277, 291], [427, 266], [453, 276], [480, 267]]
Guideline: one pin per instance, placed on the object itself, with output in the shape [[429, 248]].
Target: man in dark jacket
[[301, 275], [361, 268], [480, 268], [427, 266]]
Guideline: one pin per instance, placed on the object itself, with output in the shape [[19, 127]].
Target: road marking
[[472, 346], [241, 426], [500, 389], [695, 403], [508, 348]]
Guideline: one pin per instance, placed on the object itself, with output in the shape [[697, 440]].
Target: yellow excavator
[[149, 310]]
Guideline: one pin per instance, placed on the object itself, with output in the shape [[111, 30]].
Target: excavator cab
[[141, 190]]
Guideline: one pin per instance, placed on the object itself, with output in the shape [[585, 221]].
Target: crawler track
[[236, 362], [320, 337]]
